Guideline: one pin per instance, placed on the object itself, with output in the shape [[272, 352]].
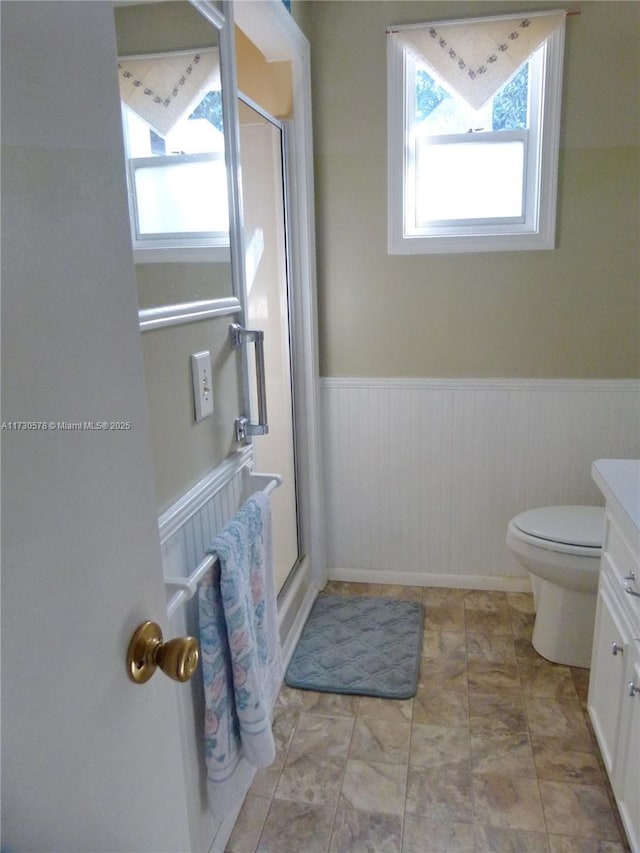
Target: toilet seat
[[575, 530]]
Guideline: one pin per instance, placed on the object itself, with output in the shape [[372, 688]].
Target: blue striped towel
[[241, 656]]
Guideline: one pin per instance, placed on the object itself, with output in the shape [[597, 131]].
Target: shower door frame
[[281, 128], [272, 29]]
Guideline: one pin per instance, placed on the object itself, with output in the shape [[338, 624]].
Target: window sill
[[470, 243], [163, 254]]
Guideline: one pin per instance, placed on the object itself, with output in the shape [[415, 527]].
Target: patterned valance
[[164, 89], [475, 58]]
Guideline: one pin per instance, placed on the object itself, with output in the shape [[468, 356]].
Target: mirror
[[173, 72]]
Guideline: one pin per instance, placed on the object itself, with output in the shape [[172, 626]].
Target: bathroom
[[454, 390]]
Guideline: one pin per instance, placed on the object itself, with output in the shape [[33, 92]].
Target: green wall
[[184, 451], [571, 312]]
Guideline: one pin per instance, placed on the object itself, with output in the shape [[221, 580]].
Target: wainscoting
[[186, 530], [422, 476]]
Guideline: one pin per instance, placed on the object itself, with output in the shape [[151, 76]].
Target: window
[[178, 184], [473, 173], [176, 172]]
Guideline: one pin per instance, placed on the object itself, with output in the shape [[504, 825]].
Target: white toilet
[[560, 546]]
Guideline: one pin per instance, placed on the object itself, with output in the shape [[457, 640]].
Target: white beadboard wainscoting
[[186, 531], [422, 475]]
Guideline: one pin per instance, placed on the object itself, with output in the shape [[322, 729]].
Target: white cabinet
[[628, 776], [609, 662], [614, 684]]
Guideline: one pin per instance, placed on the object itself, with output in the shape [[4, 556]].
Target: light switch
[[202, 384]]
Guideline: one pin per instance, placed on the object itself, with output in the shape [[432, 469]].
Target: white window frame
[[438, 227], [169, 239], [182, 247], [538, 230]]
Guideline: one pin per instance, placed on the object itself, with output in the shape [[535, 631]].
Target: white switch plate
[[202, 384]]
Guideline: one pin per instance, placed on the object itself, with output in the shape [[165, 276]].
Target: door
[[267, 308], [91, 762]]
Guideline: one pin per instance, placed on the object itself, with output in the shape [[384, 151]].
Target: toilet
[[560, 547]]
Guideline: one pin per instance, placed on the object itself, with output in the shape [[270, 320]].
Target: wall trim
[[478, 383], [293, 635], [187, 312], [496, 584], [176, 516], [226, 828]]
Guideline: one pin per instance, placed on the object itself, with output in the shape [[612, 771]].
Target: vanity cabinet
[[611, 653], [629, 781], [614, 684]]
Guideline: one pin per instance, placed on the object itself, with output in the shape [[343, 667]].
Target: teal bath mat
[[365, 646]]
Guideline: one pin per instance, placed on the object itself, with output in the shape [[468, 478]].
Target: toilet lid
[[571, 525]]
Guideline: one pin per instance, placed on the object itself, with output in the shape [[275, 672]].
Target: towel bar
[[185, 588]]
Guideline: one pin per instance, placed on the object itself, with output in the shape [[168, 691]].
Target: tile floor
[[494, 752]]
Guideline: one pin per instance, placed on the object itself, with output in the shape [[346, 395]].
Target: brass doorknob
[[177, 658]]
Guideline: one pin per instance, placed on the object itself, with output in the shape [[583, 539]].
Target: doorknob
[[177, 658]]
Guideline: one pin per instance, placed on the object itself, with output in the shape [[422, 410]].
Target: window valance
[[164, 89], [475, 58]]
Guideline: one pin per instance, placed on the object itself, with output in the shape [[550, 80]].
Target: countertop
[[619, 482]]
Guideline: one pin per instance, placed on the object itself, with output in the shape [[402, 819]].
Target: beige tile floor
[[494, 753]]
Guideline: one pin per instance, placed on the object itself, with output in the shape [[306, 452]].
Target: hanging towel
[[241, 656]]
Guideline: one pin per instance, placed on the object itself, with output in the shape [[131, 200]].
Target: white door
[[90, 761]]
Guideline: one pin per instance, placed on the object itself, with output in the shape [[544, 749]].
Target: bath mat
[[354, 644]]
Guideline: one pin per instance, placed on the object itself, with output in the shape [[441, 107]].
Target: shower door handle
[[239, 337]]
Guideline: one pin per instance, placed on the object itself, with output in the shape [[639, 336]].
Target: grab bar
[[239, 337], [186, 588]]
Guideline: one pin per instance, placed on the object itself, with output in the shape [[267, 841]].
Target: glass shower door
[[264, 214]]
